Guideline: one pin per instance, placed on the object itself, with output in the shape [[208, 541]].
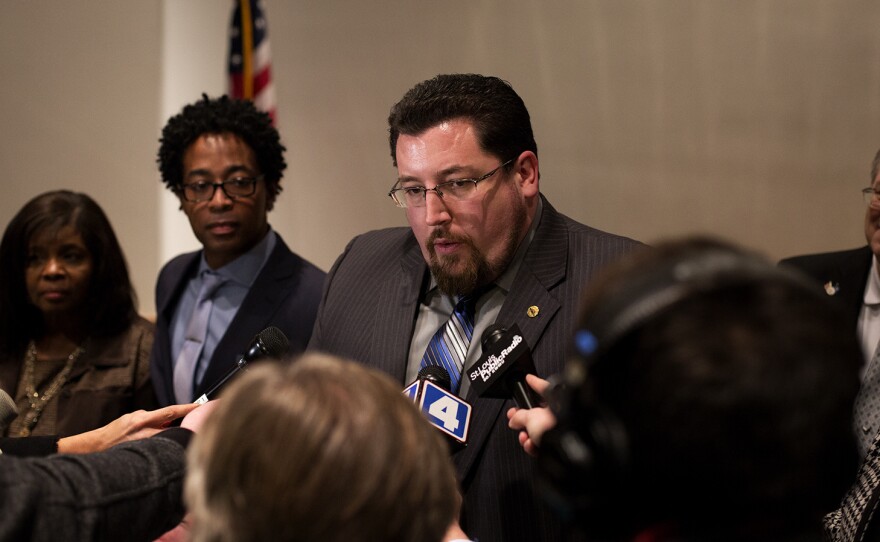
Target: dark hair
[[220, 116], [111, 302], [743, 391], [497, 112]]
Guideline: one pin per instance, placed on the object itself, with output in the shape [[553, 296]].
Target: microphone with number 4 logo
[[444, 410]]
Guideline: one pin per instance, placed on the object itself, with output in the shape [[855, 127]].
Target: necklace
[[38, 402]]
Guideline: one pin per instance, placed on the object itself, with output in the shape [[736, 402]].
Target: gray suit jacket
[[368, 313]]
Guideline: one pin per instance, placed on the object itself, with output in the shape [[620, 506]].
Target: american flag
[[250, 74]]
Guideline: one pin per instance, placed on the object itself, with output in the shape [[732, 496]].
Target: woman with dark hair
[[74, 353]]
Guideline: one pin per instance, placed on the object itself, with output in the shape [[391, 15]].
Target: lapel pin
[[533, 311], [831, 288]]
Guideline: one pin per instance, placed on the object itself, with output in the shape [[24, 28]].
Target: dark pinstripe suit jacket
[[368, 314], [285, 294]]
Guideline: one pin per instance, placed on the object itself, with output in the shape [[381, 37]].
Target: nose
[[53, 269], [220, 201], [436, 212]]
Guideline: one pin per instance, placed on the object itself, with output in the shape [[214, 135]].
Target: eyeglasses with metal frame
[[871, 195], [454, 190], [235, 187]]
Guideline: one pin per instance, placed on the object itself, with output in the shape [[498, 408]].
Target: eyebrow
[[452, 170], [226, 173]]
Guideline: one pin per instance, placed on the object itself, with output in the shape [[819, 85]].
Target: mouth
[[445, 246], [222, 228], [54, 295]]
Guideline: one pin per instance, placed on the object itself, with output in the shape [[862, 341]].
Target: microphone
[[8, 410], [445, 411], [502, 368], [271, 342]]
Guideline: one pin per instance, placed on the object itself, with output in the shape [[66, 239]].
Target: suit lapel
[[852, 276], [542, 269], [396, 314], [175, 279], [178, 276]]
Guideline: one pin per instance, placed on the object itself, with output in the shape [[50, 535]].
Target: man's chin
[[454, 279]]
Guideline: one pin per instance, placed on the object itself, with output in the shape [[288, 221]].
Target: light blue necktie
[[196, 331], [449, 345]]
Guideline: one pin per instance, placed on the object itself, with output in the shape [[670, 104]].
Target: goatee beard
[[460, 274], [465, 272]]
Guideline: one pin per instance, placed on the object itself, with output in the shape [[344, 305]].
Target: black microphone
[[502, 368], [8, 410], [445, 411], [269, 343]]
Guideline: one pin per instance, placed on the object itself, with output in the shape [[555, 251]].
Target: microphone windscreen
[[436, 374], [492, 335], [274, 342]]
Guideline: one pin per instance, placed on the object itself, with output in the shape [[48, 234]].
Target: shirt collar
[[872, 292], [244, 269]]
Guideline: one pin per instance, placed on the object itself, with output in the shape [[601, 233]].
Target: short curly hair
[[499, 115], [219, 116]]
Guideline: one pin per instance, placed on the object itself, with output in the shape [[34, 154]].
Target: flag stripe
[[250, 64]]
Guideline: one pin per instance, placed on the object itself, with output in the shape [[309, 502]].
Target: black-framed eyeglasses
[[235, 187], [455, 190]]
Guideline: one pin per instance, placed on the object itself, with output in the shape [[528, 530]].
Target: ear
[[526, 169], [180, 200]]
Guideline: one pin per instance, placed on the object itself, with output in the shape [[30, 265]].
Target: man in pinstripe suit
[[468, 180]]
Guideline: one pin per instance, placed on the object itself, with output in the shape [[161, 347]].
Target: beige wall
[[755, 120]]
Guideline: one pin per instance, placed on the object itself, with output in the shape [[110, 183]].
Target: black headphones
[[583, 465]]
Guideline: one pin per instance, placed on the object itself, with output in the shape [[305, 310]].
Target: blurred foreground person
[[130, 492], [319, 450], [709, 398]]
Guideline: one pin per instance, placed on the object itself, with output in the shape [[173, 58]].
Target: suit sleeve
[[315, 343], [130, 492]]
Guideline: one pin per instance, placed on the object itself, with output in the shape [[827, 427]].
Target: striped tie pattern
[[448, 347]]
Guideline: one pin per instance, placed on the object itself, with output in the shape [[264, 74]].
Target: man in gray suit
[[483, 246]]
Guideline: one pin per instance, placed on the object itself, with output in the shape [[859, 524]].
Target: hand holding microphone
[[532, 423]]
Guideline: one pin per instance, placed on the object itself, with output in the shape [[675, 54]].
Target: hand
[[133, 426], [532, 423], [455, 534], [194, 420], [178, 534]]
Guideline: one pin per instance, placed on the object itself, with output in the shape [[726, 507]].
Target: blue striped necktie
[[449, 346]]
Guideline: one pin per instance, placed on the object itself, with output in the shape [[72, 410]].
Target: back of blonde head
[[321, 449]]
